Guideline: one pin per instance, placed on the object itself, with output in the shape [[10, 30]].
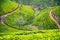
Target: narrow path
[[4, 15], [54, 18]]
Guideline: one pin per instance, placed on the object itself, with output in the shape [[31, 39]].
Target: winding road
[[11, 12], [55, 19], [4, 15]]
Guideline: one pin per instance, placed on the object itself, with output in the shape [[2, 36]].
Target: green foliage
[[2, 1], [44, 3], [27, 13], [21, 17], [56, 12], [33, 35], [25, 16], [44, 21], [7, 6], [7, 29]]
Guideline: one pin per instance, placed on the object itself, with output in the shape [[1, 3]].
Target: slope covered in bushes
[[7, 6], [6, 29], [24, 25], [57, 12], [25, 16], [44, 21]]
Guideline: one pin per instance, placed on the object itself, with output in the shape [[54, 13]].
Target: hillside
[[6, 29], [7, 6], [56, 12], [20, 22], [21, 17], [44, 20]]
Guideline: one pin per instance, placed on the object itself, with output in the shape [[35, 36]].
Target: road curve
[[55, 19], [4, 15]]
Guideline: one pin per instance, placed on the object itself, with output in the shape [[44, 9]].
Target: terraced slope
[[54, 17], [7, 6], [44, 21], [25, 16], [44, 14], [57, 13]]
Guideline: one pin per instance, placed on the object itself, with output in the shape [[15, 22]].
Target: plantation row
[[33, 35], [57, 13], [44, 20], [26, 23]]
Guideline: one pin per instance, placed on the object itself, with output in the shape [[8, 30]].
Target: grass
[[7, 6]]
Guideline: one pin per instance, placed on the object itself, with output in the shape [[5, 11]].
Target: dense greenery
[[30, 21], [39, 2], [42, 21], [32, 35], [21, 17], [7, 6], [6, 29], [56, 12]]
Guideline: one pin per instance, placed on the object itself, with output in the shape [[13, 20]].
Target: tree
[[58, 2]]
